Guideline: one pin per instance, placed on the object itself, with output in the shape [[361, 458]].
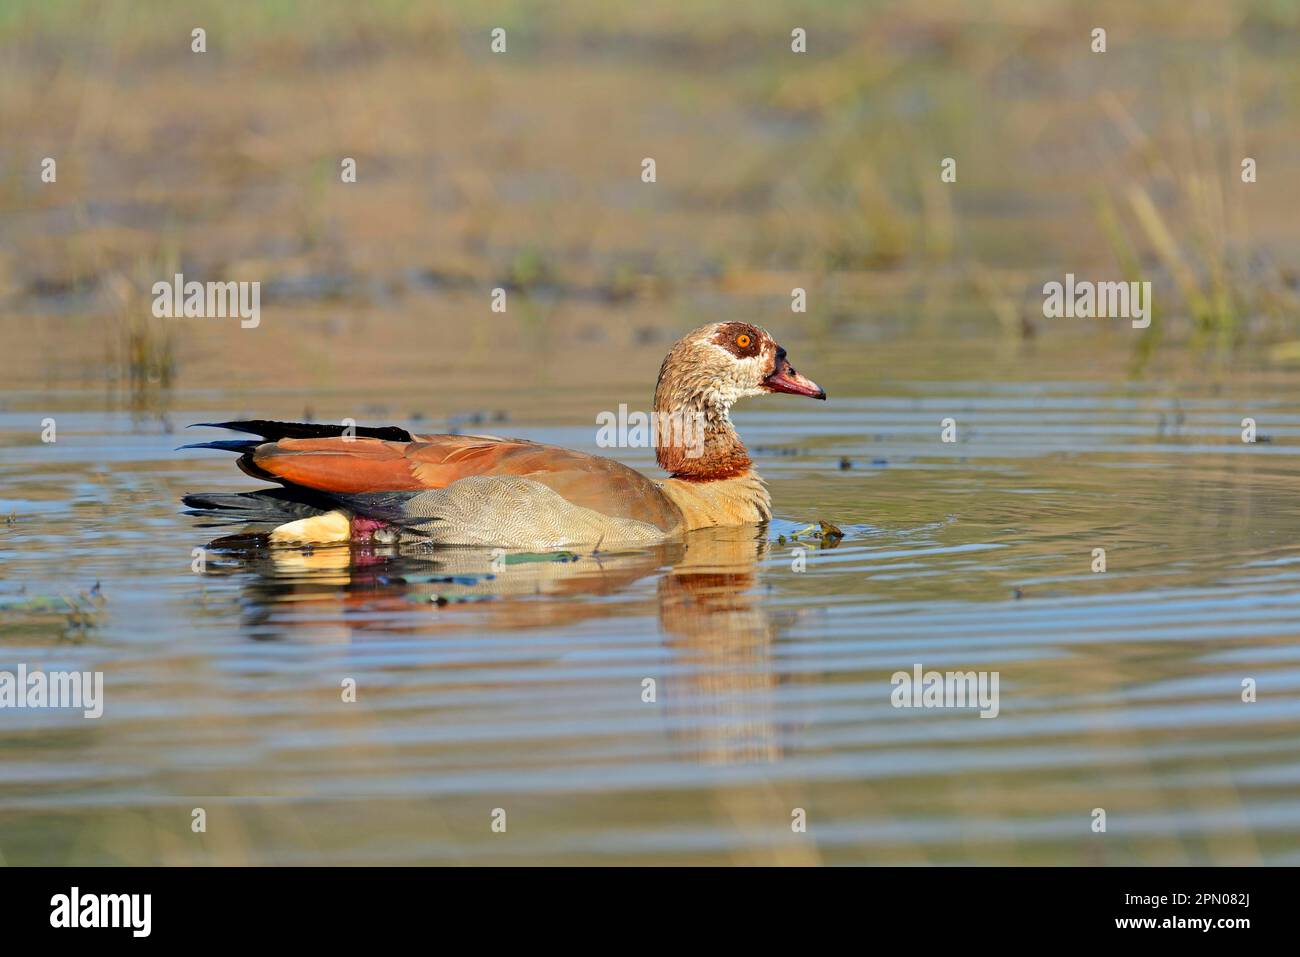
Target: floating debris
[[468, 580], [79, 613], [441, 600], [824, 532], [523, 558], [830, 533], [42, 603]]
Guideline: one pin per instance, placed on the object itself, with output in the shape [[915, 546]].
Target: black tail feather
[[274, 431], [233, 445], [388, 507], [276, 505]]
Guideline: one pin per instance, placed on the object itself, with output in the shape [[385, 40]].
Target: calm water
[[1119, 690]]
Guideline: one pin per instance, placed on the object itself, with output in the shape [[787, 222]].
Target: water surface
[[523, 691]]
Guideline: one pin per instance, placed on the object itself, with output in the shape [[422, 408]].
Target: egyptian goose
[[386, 485]]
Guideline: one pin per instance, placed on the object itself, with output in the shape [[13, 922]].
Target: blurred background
[[522, 170]]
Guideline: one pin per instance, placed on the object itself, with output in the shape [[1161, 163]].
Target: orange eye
[[743, 340]]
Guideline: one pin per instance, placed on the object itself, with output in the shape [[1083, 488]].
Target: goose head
[[705, 372]]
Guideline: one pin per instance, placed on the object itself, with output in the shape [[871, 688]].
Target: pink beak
[[785, 379]]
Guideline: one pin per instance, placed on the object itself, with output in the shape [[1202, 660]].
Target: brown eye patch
[[740, 339]]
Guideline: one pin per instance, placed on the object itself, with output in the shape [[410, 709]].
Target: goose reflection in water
[[713, 688]]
